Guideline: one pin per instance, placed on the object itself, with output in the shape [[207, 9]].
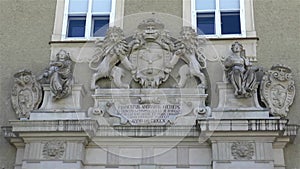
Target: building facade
[[74, 133]]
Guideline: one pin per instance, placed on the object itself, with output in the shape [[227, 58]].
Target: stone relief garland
[[54, 150], [278, 89], [26, 93], [242, 150]]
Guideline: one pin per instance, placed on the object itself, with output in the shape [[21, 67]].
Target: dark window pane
[[100, 25], [231, 23], [76, 26], [206, 23]]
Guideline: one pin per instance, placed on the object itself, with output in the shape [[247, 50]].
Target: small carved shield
[[150, 61], [278, 90], [26, 93]]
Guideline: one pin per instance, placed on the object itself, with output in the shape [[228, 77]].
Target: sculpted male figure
[[240, 71], [60, 74]]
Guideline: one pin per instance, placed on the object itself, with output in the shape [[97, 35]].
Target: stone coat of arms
[[26, 93], [155, 78], [278, 90]]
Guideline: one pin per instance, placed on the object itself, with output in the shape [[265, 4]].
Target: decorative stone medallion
[[242, 150], [54, 150], [278, 90], [26, 93]]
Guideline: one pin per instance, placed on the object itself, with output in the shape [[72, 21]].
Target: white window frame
[[88, 26], [218, 33]]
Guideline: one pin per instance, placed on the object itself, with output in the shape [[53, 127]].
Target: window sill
[[72, 41], [76, 40], [231, 38], [94, 39]]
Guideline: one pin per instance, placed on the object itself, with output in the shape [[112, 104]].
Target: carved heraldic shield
[[278, 90], [26, 93]]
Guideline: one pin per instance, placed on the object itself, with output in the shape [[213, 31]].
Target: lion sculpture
[[189, 49], [112, 50]]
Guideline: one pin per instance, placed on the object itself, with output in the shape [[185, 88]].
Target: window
[[85, 19], [219, 18]]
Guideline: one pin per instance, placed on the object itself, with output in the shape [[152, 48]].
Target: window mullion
[[194, 15], [218, 18], [88, 24], [242, 18], [65, 21], [112, 13]]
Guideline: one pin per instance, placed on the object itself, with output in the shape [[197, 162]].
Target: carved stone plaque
[[149, 113], [149, 106]]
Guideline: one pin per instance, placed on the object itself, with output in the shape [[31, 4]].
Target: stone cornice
[[242, 125], [58, 126], [278, 127]]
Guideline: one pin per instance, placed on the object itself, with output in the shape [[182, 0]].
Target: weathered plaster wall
[[168, 12], [25, 30], [278, 28], [172, 7]]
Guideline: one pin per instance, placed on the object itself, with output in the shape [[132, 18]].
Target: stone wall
[[277, 25], [26, 28]]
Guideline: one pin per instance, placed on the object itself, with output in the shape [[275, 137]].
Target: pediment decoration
[[159, 76], [149, 58]]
